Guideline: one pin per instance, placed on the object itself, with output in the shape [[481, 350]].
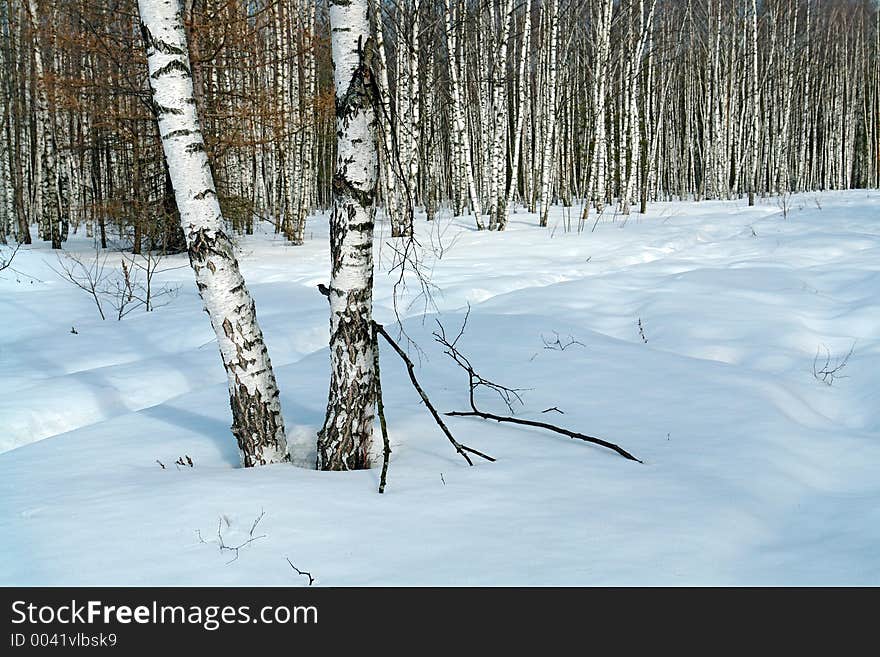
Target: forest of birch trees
[[485, 106]]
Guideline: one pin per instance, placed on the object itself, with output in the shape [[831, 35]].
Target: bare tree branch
[[464, 450], [234, 548], [475, 381], [304, 573], [380, 409]]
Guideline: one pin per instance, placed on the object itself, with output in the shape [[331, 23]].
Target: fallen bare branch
[[550, 427], [476, 381], [507, 395], [464, 450]]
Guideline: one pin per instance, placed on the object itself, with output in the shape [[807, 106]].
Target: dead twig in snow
[[304, 573], [507, 395], [234, 548], [475, 381], [829, 371], [464, 450], [6, 260], [557, 344]]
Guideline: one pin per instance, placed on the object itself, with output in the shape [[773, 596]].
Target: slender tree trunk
[[345, 441], [498, 147], [459, 109], [46, 197], [253, 394], [522, 83], [598, 173], [548, 128]]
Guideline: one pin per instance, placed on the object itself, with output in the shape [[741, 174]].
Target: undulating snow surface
[[754, 471]]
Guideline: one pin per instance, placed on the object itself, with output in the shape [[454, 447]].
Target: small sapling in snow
[[221, 543], [830, 369], [642, 332]]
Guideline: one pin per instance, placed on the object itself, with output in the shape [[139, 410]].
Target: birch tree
[[345, 441], [464, 164], [548, 119], [602, 22], [253, 394]]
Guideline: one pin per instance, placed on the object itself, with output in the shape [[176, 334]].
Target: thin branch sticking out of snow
[[234, 548], [829, 371], [304, 573]]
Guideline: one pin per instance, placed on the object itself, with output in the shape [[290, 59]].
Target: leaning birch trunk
[[345, 441], [256, 410]]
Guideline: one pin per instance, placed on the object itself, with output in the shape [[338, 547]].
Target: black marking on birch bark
[[195, 147], [170, 67], [254, 425], [204, 194], [361, 91], [204, 243], [159, 110], [158, 44], [343, 188], [345, 441], [364, 225], [227, 328], [183, 132]]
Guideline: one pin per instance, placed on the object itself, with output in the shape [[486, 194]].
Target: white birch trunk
[[498, 150], [598, 175], [45, 169], [253, 394], [459, 119], [520, 117], [387, 171], [345, 441], [548, 122]]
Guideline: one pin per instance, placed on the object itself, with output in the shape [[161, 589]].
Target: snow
[[755, 472]]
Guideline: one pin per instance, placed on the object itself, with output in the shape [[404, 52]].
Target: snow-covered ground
[[755, 471]]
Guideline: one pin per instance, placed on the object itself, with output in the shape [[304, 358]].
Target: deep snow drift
[[693, 333]]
